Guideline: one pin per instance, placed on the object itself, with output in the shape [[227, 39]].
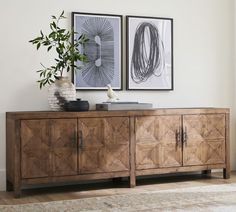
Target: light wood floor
[[111, 188]]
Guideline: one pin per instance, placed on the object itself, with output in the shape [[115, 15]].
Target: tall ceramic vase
[[60, 92]]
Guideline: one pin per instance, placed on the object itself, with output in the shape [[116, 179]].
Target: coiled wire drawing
[[148, 53], [99, 71]]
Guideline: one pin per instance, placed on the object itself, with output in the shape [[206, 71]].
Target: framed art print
[[103, 50], [149, 53]]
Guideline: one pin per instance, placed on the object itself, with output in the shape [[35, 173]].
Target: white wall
[[203, 54]]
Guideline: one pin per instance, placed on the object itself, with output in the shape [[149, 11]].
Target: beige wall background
[[203, 55]]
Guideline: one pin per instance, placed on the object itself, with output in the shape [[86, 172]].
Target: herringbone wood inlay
[[205, 139], [48, 147], [105, 144], [35, 149], [156, 144], [64, 147]]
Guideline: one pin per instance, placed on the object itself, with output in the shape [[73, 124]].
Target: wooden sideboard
[[52, 147]]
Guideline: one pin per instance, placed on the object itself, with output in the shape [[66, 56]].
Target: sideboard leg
[[226, 173], [17, 192], [206, 173], [17, 189], [226, 170], [9, 186], [132, 176], [132, 181]]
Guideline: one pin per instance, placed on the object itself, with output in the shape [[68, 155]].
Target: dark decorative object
[[103, 51], [76, 105], [149, 53]]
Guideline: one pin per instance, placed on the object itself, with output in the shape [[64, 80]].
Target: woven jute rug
[[205, 198]]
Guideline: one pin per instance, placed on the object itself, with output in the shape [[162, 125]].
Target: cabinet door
[[104, 144], [205, 142], [35, 148], [48, 147], [63, 147], [158, 141]]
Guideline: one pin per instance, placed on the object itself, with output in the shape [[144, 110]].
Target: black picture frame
[[145, 73], [112, 68]]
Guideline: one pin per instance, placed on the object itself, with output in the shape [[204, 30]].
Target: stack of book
[[123, 106]]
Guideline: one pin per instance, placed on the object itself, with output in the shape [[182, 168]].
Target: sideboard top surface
[[94, 113]]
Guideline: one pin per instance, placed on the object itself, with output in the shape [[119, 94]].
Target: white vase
[[60, 92]]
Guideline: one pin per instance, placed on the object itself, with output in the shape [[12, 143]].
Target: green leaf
[[61, 30], [58, 51], [52, 34], [51, 26], [62, 13], [35, 40], [38, 45], [41, 33], [49, 48], [54, 24]]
